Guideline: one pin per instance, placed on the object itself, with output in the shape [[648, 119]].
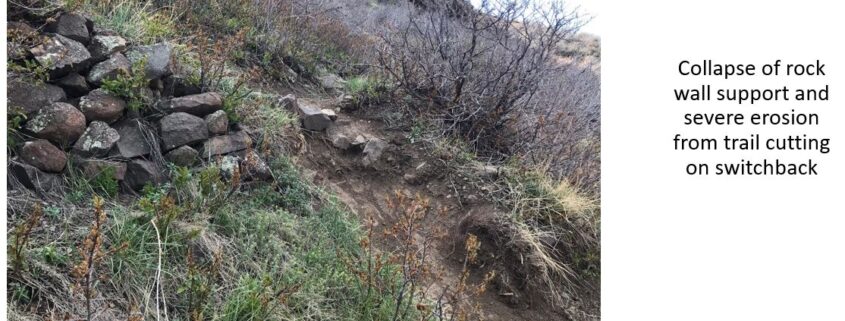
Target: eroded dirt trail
[[411, 170]]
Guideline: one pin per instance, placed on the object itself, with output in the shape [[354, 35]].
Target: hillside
[[300, 160]]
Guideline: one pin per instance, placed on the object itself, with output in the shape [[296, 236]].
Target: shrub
[[479, 69]]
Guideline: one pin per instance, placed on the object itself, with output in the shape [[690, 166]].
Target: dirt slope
[[411, 169]]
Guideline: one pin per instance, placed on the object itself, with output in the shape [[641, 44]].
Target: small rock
[[132, 142], [103, 46], [91, 167], [97, 140], [287, 102], [198, 105], [73, 26], [157, 59], [100, 31], [113, 67], [44, 156], [373, 150], [179, 129], [254, 168], [359, 140], [60, 123], [102, 105], [348, 102], [141, 172], [487, 171], [313, 118], [178, 86], [74, 85], [331, 81], [219, 145], [217, 122], [329, 112], [30, 96], [410, 178], [33, 178], [182, 156], [338, 138], [228, 165], [340, 141], [61, 56]]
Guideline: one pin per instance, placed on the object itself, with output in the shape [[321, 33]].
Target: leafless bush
[[559, 130], [479, 70]]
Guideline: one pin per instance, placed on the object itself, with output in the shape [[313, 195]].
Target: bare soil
[[411, 169]]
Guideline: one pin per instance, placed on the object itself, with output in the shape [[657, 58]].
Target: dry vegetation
[[505, 84]]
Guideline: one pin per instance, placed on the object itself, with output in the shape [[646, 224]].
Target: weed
[[91, 254], [53, 255], [33, 70], [131, 86], [14, 120], [367, 90], [22, 235], [105, 182]]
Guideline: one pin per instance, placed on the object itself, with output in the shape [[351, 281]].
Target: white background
[[677, 247]]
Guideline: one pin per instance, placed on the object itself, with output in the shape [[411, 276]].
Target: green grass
[[138, 21], [283, 251]]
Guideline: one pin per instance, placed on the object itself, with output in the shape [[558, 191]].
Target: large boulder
[[198, 105], [73, 26], [156, 58], [217, 122], [116, 65], [182, 156], [60, 123], [132, 142], [43, 155], [74, 85], [32, 178], [97, 140], [140, 172], [30, 96], [92, 167], [313, 118], [103, 46], [373, 150], [102, 105], [61, 56], [179, 129], [219, 145]]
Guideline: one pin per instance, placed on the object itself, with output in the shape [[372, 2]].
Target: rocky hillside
[[247, 161]]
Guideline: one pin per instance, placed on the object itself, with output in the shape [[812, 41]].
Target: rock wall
[[73, 124]]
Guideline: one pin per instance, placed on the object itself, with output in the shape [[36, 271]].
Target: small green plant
[[366, 90], [417, 132], [53, 256], [131, 86], [14, 119], [198, 286], [105, 182], [34, 70]]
